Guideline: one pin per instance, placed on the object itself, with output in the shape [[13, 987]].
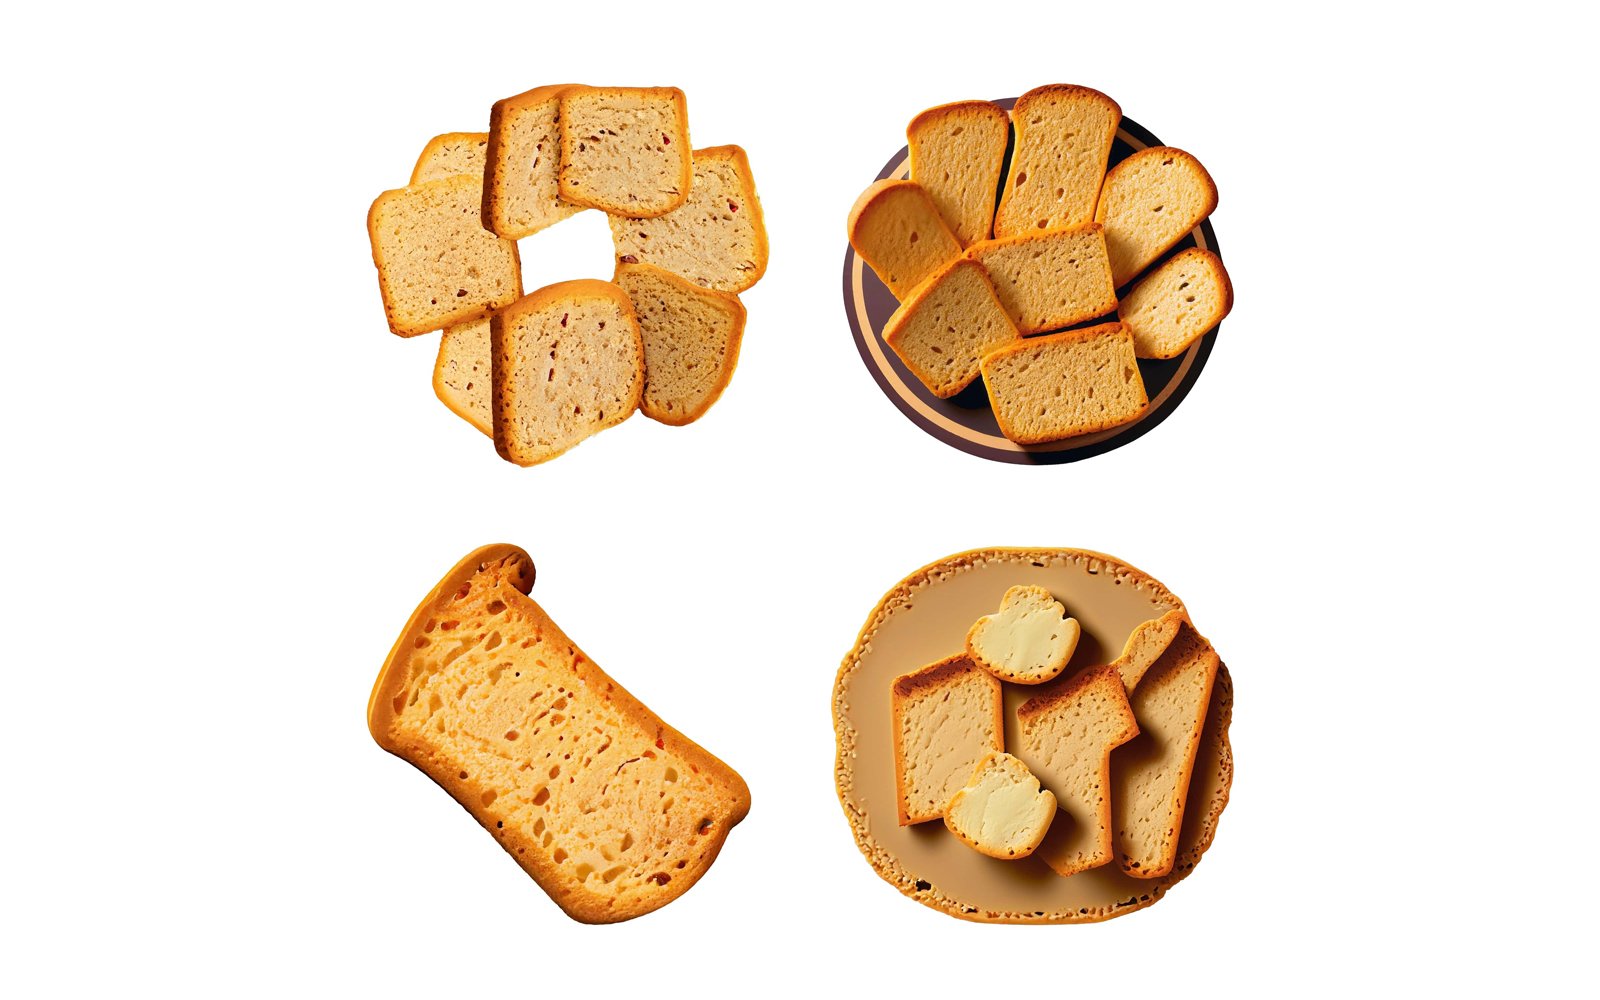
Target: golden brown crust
[[496, 171], [894, 329], [968, 110], [871, 200], [727, 302], [752, 204], [1019, 112], [432, 149], [1129, 163], [1065, 336], [569, 144]]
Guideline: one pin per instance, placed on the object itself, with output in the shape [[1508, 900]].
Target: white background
[[229, 485]]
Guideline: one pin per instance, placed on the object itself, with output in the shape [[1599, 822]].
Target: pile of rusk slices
[[542, 372], [976, 279]]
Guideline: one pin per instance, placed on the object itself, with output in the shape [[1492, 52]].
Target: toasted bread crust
[[725, 302], [918, 137], [874, 200], [1003, 224], [437, 148], [499, 174], [1116, 174], [570, 142]]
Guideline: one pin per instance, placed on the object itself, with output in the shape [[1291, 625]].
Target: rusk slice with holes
[[1150, 776], [1028, 641], [437, 266], [612, 812], [1050, 279], [1064, 136], [1001, 811], [462, 374], [957, 153], [1145, 645], [718, 239], [945, 327], [522, 162], [1148, 203], [1070, 383], [691, 341], [1174, 305], [896, 229], [568, 362], [1067, 736], [450, 154], [947, 717], [625, 150]]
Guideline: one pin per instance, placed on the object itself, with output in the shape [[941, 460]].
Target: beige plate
[[925, 618]]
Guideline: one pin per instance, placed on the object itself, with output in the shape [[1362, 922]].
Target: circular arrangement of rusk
[[924, 618]]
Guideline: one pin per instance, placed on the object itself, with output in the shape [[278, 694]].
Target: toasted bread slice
[[898, 231], [1150, 776], [1050, 279], [1001, 811], [1076, 382], [450, 154], [1174, 305], [625, 150], [1067, 735], [1064, 136], [568, 362], [957, 153], [1148, 203], [612, 812], [1145, 645], [522, 161], [1028, 641], [437, 266], [947, 717], [691, 341], [718, 239], [462, 373], [945, 327]]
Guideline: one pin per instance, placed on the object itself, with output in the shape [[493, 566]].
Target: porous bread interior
[[1175, 304], [1001, 811], [945, 722], [522, 195], [999, 642], [613, 813], [943, 331], [565, 367], [437, 265], [1051, 280], [1149, 202], [897, 230], [462, 373], [957, 153], [1067, 737], [1145, 646], [1150, 775], [691, 342], [625, 150], [1063, 385], [1064, 137], [716, 240], [450, 154]]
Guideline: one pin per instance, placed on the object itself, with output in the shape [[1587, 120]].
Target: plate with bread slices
[[1035, 280], [1032, 736], [540, 373]]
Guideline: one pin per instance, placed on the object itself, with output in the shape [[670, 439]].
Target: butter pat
[[1002, 811], [1028, 641]]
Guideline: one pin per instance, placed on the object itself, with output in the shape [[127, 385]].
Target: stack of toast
[[541, 372], [1018, 287]]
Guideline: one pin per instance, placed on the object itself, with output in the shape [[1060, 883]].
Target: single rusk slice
[[896, 229], [450, 154], [957, 152], [1148, 203], [945, 327], [947, 717], [1066, 384], [1050, 279], [1028, 641], [1067, 734], [625, 150], [718, 239], [1001, 811], [522, 162], [691, 341], [1145, 645], [1064, 136], [1174, 305], [1150, 775]]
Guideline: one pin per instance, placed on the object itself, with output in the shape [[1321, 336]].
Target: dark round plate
[[965, 421]]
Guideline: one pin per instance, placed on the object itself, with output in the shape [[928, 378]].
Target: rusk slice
[[1174, 305], [1028, 641], [1145, 645], [1050, 279], [437, 266], [691, 341], [1064, 136], [947, 717], [1067, 736], [625, 150], [450, 154], [957, 152], [1001, 811], [1070, 383], [568, 362], [612, 812], [1150, 776], [522, 162], [718, 239], [895, 227], [1148, 203], [944, 328], [462, 373]]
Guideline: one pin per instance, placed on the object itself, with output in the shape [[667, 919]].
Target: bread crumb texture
[[718, 239], [1064, 137], [625, 150], [1001, 811], [895, 228], [691, 341], [947, 717], [944, 328], [1066, 384]]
